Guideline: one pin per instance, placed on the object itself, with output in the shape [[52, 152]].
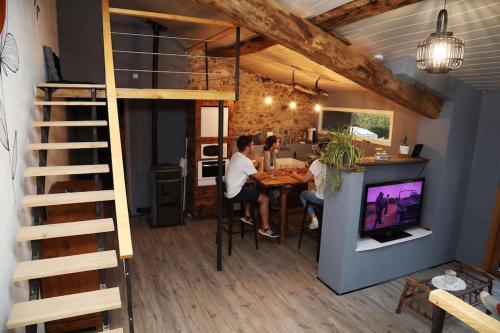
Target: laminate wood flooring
[[177, 289]]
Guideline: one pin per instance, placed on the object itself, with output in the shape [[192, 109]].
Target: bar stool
[[318, 210], [229, 208]]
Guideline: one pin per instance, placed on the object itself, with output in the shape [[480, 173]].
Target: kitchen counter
[[393, 159]]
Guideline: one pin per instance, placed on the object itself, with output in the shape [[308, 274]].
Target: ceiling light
[[441, 52], [268, 100], [317, 107], [293, 105]]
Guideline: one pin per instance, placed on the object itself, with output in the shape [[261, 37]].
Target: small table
[[416, 293], [285, 183]]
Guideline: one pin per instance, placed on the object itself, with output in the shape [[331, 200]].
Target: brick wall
[[251, 115]]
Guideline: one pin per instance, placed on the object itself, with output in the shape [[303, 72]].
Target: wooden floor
[[177, 289]]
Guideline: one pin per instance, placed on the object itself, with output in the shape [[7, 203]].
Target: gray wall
[[449, 144], [81, 53], [483, 185]]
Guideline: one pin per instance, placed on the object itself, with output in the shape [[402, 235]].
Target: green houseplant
[[340, 154]]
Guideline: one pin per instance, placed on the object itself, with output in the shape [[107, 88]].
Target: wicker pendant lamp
[[441, 52]]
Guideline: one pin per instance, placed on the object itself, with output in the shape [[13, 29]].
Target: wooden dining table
[[284, 182]]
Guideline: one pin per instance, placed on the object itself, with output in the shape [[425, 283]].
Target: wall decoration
[[9, 63]]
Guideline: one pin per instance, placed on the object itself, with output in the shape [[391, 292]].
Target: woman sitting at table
[[317, 170], [270, 150]]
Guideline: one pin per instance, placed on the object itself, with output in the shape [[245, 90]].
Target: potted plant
[[341, 154], [404, 148]]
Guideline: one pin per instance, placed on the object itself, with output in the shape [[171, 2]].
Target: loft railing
[[473, 317]]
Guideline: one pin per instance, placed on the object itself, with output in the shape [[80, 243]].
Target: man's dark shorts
[[247, 194]]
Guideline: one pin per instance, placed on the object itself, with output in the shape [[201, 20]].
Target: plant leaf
[[13, 155], [9, 56], [4, 138]]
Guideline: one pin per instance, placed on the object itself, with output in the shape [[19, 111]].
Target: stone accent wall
[[251, 115]]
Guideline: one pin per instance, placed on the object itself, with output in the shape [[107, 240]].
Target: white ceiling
[[394, 34]]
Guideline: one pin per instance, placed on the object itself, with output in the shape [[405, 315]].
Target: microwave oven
[[210, 151]]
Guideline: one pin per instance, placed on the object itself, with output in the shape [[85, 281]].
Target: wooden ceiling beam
[[357, 10], [270, 19]]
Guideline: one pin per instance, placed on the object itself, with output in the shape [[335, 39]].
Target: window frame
[[382, 142]]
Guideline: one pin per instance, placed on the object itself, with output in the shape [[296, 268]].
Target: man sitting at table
[[240, 167], [317, 170]]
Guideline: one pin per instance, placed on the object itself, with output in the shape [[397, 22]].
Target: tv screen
[[392, 205]]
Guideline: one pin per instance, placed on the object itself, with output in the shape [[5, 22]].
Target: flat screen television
[[390, 207]]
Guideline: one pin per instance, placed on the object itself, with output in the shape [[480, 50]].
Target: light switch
[[135, 76]]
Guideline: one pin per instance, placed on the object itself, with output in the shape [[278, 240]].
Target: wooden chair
[[318, 209]]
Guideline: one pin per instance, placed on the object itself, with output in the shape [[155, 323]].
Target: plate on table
[[438, 282]]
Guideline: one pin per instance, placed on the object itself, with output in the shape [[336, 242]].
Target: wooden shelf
[[71, 86], [71, 103], [43, 200], [46, 231], [66, 170], [393, 159], [367, 244], [67, 145], [37, 269], [75, 123], [54, 308]]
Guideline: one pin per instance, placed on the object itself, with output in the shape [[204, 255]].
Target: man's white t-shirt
[[237, 172], [318, 170]]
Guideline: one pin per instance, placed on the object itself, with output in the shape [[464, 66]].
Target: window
[[371, 125]]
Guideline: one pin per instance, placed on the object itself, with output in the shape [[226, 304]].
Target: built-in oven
[[211, 151], [207, 171]]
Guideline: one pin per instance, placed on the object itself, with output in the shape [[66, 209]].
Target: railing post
[[237, 66], [220, 140], [126, 271]]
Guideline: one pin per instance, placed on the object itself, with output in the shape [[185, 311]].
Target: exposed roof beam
[[270, 19], [350, 12], [357, 10]]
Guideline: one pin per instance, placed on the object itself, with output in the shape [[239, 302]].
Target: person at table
[[270, 150], [317, 171], [239, 169]]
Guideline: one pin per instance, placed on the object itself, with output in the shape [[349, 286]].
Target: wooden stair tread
[[71, 86], [70, 123], [66, 170], [116, 330], [42, 200], [36, 269], [46, 231], [67, 145], [54, 308], [68, 103]]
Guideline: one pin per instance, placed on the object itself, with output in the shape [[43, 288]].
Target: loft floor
[[176, 288]]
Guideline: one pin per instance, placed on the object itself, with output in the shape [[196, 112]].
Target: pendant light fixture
[[268, 99], [293, 104], [317, 105], [441, 52]]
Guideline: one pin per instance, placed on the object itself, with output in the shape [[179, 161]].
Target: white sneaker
[[314, 223]]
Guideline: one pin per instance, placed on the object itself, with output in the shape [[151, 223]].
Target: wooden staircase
[[37, 310]]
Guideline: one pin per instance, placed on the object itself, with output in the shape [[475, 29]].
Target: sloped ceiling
[[393, 34]]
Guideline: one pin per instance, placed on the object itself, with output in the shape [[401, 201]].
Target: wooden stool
[[318, 209]]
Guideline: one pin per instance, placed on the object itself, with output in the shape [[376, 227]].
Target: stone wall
[[251, 115]]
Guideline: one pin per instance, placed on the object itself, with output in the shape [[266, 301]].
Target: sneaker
[[490, 303], [314, 223], [247, 219], [268, 233]]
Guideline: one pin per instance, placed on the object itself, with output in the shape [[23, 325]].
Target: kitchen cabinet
[[209, 121]]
